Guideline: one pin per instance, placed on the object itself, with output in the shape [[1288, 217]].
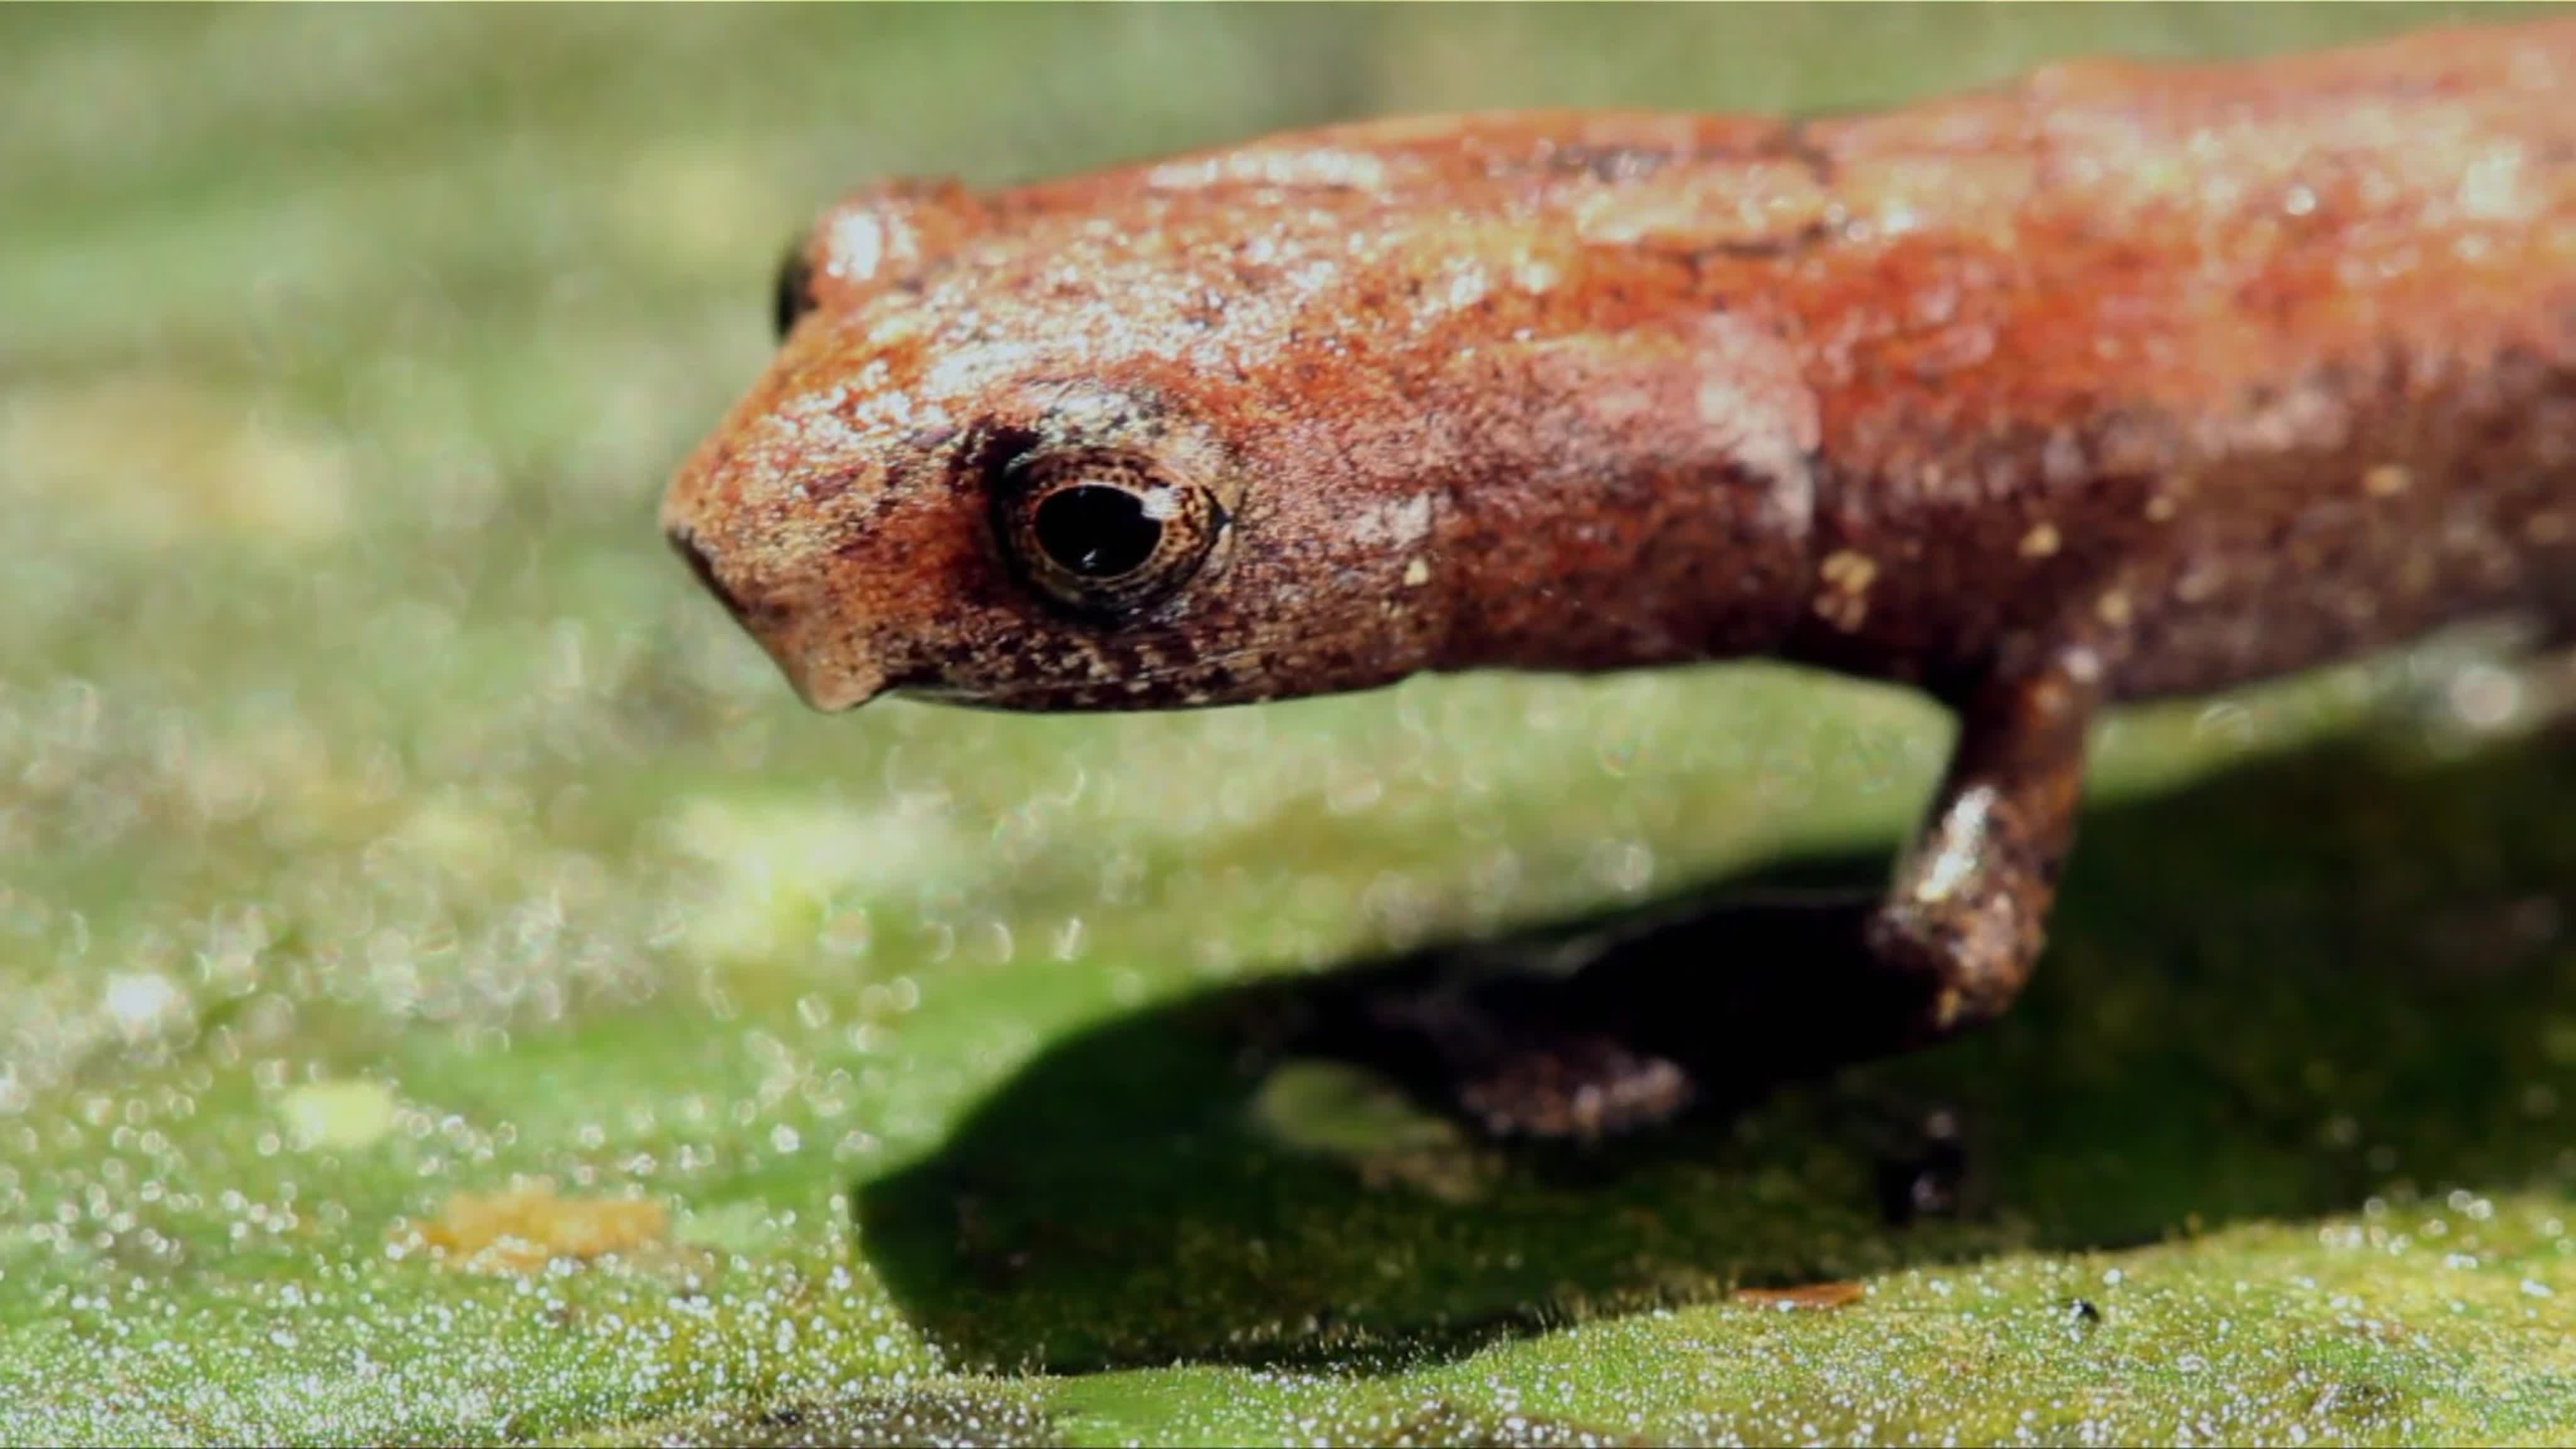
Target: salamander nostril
[[687, 544]]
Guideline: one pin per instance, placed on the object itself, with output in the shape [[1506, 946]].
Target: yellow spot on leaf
[[529, 1226], [158, 463], [1803, 1295], [352, 1112]]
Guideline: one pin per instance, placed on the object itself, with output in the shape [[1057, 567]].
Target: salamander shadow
[[2272, 994]]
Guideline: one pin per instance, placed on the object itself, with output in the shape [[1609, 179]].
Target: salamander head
[[1033, 473], [1035, 460]]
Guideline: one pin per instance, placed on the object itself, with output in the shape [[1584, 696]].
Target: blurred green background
[[385, 816]]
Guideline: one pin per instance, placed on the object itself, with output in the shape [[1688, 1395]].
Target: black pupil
[[1097, 532]]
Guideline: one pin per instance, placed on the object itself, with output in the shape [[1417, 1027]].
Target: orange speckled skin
[[2124, 380]]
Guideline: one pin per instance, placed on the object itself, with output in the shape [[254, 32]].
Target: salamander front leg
[[1967, 913], [1639, 1017]]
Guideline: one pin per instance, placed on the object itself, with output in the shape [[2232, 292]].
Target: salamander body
[[2125, 380]]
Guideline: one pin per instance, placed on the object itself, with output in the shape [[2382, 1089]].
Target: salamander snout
[[828, 679]]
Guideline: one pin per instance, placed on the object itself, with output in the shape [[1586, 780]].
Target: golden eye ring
[[1102, 530]]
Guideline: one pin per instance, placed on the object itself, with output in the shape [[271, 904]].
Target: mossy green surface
[[384, 816]]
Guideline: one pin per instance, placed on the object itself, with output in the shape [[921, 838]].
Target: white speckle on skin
[[1468, 285], [1759, 412], [2387, 480], [1084, 411], [1395, 524], [2041, 541], [1416, 573], [1954, 845], [958, 372], [1255, 166], [1718, 402], [888, 331], [829, 422], [2491, 187], [1315, 276], [858, 246]]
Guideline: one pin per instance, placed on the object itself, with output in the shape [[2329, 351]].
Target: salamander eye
[[1104, 531], [792, 295]]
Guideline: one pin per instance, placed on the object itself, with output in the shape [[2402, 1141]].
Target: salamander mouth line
[[923, 684]]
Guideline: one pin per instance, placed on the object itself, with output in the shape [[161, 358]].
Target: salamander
[[2125, 380]]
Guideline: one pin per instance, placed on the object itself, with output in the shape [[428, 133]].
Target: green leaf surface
[[388, 826]]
